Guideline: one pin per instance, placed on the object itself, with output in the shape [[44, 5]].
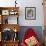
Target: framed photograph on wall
[[30, 13]]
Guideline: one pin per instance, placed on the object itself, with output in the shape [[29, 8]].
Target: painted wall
[[26, 3]]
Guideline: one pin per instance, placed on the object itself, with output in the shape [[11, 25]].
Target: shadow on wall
[[37, 29]]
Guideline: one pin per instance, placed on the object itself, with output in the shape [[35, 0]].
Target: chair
[[29, 33]]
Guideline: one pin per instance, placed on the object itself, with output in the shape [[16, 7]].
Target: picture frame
[[30, 13], [5, 12]]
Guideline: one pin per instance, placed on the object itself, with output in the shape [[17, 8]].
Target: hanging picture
[[30, 13]]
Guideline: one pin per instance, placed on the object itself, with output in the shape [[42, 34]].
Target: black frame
[[26, 17]]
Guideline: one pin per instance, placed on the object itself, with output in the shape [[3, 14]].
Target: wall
[[27, 3], [39, 12]]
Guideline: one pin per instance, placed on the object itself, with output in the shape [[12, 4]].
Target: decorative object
[[30, 13], [15, 37], [15, 30], [6, 21], [5, 12], [7, 34], [13, 12], [15, 3]]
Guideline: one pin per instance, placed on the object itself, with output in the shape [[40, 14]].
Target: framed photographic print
[[30, 13], [5, 12]]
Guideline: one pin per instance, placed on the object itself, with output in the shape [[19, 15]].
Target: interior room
[[22, 23]]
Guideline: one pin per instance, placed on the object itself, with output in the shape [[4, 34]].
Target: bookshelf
[[9, 24]]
